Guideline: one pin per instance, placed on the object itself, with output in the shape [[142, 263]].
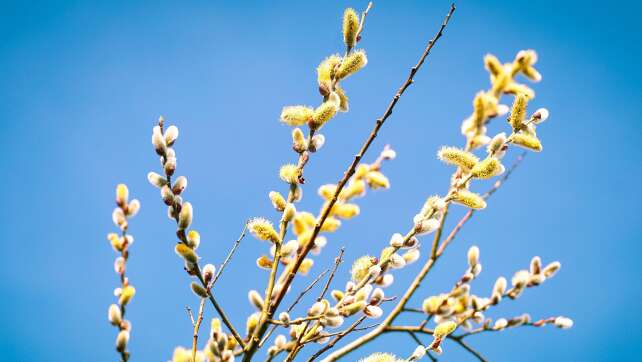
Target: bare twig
[[197, 326], [469, 349], [296, 301], [230, 254], [337, 339]]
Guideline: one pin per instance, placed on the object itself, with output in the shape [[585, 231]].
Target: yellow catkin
[[343, 99], [186, 253], [345, 211], [330, 224], [518, 112], [262, 229], [457, 157], [350, 27], [325, 70], [487, 168], [278, 201], [527, 141], [126, 295], [122, 194], [479, 115], [470, 199], [289, 173], [492, 64], [381, 357], [299, 144], [361, 268], [305, 267], [323, 113], [351, 64], [355, 188], [443, 329], [296, 115], [327, 191], [376, 180], [516, 89]]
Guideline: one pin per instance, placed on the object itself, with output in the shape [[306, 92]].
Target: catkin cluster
[[120, 242]]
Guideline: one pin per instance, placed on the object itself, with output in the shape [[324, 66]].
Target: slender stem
[[229, 255], [469, 349], [197, 326], [336, 339]]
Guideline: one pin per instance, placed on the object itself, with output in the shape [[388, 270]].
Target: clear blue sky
[[83, 82]]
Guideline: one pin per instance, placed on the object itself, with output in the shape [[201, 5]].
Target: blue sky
[[83, 83]]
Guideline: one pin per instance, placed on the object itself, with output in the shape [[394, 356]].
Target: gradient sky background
[[83, 83]]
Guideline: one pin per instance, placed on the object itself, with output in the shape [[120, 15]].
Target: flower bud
[[186, 253], [473, 256], [158, 141], [551, 269], [373, 311], [193, 239], [185, 216], [114, 315], [318, 140], [411, 256], [444, 329], [199, 290], [121, 340], [126, 295], [171, 134], [396, 240], [563, 322], [500, 324], [299, 143], [208, 273], [278, 201], [289, 212], [284, 317], [536, 265], [179, 185], [122, 194], [255, 299], [156, 179]]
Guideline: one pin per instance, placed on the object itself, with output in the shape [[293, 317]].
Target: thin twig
[[296, 301], [469, 349], [230, 254], [197, 326], [337, 261], [336, 339]]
